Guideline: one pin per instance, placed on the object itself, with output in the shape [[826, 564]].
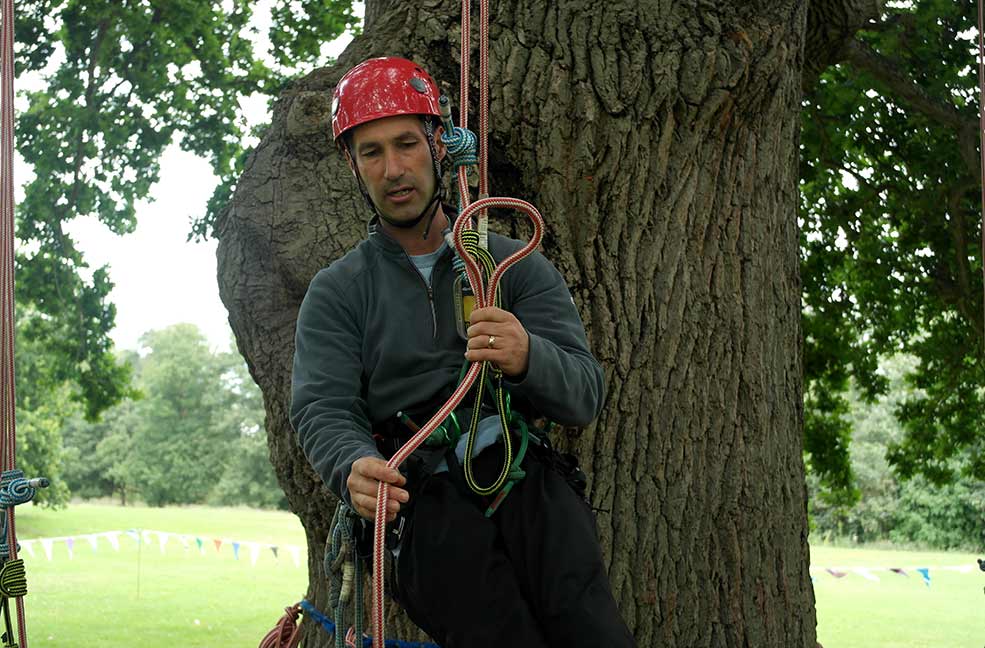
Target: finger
[[379, 471], [483, 354], [477, 329], [489, 314], [482, 342]]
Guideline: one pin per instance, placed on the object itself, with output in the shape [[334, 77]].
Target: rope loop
[[462, 145], [14, 489]]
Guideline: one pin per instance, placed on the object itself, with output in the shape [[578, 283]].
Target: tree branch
[[890, 73], [830, 25]]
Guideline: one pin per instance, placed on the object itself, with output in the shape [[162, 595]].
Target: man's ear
[[439, 147]]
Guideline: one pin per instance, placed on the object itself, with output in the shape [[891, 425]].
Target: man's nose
[[394, 168]]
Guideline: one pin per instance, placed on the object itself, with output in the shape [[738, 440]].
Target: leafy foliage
[[194, 435], [914, 511], [890, 220], [121, 81]]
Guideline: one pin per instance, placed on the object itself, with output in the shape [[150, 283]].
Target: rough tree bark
[[660, 141]]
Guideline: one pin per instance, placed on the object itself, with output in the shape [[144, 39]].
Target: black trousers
[[531, 575]]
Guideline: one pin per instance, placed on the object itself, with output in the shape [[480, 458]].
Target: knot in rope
[[462, 145], [14, 489]]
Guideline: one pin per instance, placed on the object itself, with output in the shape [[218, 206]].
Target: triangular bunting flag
[[218, 543], [145, 536], [46, 545], [899, 570], [201, 546], [28, 546], [134, 534], [162, 538], [866, 574], [295, 555], [836, 573], [273, 548], [236, 550], [254, 553], [183, 539], [925, 572], [113, 537], [92, 538], [70, 543]]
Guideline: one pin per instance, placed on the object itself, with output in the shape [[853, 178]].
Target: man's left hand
[[496, 335]]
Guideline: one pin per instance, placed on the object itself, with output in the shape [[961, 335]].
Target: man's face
[[394, 161]]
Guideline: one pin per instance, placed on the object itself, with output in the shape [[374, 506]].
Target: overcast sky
[[160, 278]]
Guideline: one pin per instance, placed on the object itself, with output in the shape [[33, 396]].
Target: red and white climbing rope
[[485, 295], [7, 394]]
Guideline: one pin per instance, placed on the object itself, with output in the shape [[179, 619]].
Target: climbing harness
[[483, 286], [14, 488]]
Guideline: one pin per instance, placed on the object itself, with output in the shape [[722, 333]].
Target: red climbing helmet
[[382, 87]]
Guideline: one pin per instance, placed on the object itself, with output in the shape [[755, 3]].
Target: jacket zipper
[[430, 292]]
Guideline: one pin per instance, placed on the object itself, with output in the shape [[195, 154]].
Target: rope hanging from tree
[[14, 488], [7, 398], [484, 293]]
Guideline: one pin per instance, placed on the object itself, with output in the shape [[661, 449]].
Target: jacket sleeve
[[563, 380], [328, 410]]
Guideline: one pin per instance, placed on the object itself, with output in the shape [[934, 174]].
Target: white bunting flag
[[162, 538], [145, 536], [295, 554], [92, 538], [113, 537], [254, 552], [866, 574], [133, 534], [185, 541], [28, 546], [46, 545]]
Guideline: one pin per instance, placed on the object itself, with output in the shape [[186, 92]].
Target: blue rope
[[462, 145], [329, 627], [14, 489]]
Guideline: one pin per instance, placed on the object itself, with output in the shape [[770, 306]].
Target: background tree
[[891, 217], [120, 81], [193, 435], [98, 456], [908, 512]]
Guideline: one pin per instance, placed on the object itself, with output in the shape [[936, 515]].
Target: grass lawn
[[139, 596], [898, 611]]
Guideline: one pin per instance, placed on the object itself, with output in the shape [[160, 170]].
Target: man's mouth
[[400, 191]]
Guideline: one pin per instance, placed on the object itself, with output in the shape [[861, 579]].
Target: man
[[378, 349]]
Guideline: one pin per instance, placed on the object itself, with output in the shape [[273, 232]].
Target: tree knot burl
[[309, 115]]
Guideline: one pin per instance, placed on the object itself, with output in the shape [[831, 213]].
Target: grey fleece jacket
[[373, 339]]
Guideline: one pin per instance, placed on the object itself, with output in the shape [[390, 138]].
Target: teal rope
[[340, 556], [462, 146]]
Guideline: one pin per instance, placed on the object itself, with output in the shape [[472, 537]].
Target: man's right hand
[[364, 480]]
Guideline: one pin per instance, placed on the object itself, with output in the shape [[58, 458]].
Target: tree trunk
[[660, 142]]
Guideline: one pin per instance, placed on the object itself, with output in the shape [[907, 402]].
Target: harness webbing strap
[[7, 393]]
